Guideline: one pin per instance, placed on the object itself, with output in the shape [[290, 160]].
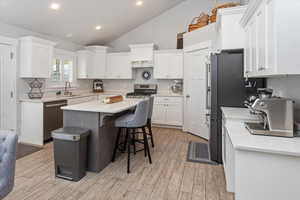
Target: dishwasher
[[53, 117]]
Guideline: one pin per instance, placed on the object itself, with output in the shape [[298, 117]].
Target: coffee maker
[[98, 86]]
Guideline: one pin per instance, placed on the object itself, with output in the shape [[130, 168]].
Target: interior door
[[8, 105], [195, 83]]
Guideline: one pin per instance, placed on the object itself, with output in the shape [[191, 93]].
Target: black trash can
[[70, 152]]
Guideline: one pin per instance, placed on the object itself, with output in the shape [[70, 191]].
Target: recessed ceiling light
[[139, 3], [69, 35], [98, 27], [55, 6]]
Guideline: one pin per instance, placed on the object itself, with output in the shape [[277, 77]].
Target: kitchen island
[[99, 118]]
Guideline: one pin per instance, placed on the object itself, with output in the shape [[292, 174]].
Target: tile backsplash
[[127, 85]]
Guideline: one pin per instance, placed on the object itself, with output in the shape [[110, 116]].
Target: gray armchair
[[8, 146]]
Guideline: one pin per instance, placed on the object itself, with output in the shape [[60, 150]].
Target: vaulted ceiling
[[76, 19]]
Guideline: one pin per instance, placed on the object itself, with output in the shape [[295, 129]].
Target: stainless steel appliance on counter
[[142, 90], [177, 86], [277, 116]]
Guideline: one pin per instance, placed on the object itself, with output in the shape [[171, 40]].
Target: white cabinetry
[[168, 111], [168, 64], [91, 62], [83, 62], [272, 38], [35, 57], [141, 55], [230, 34], [118, 66]]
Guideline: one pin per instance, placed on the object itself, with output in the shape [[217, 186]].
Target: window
[[62, 68]]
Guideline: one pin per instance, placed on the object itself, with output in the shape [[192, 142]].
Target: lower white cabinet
[[228, 159], [168, 111]]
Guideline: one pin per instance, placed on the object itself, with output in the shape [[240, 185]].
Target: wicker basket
[[213, 17], [199, 22], [226, 5]]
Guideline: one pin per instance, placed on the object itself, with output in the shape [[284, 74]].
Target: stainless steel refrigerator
[[229, 88]]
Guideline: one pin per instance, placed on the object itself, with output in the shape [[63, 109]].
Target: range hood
[[142, 55]]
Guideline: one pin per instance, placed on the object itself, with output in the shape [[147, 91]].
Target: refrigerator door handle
[[208, 89], [207, 119]]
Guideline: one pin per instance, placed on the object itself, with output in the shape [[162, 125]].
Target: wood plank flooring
[[170, 177]]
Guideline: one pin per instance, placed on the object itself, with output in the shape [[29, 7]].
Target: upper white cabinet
[[118, 66], [98, 62], [35, 57], [91, 62], [272, 38], [83, 62], [168, 64], [230, 33], [141, 55]]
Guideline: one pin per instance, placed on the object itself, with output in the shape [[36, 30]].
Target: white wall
[[288, 87], [162, 30], [17, 32]]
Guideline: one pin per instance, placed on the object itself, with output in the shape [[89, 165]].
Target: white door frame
[[190, 49], [13, 43]]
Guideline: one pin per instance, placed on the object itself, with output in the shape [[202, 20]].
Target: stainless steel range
[[142, 90]]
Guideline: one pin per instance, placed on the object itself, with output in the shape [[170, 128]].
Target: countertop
[[100, 107], [243, 140], [60, 98], [108, 93], [238, 114]]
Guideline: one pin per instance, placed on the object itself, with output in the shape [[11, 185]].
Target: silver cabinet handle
[[261, 69], [208, 88]]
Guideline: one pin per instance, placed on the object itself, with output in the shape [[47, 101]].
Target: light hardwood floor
[[169, 177]]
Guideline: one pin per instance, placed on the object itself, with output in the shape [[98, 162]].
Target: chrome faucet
[[67, 87]]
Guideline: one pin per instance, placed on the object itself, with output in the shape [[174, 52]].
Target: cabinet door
[[82, 65], [247, 55], [174, 114], [261, 39], [161, 65], [41, 60], [97, 67], [270, 36], [118, 66], [175, 67], [253, 42], [159, 113]]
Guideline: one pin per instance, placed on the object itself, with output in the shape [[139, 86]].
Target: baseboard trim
[[166, 126], [34, 145]]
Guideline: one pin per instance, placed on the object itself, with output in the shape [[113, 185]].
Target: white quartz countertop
[[61, 98], [100, 107], [238, 113], [243, 140]]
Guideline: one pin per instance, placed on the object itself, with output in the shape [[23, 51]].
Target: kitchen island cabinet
[[99, 118]]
